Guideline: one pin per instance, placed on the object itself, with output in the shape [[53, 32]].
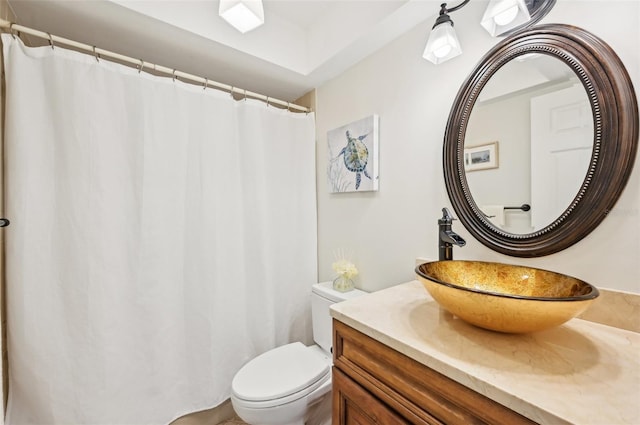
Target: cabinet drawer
[[353, 405], [416, 392]]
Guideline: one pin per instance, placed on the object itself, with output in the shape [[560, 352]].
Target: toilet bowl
[[282, 385], [278, 386]]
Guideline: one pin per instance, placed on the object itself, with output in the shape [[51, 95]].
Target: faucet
[[447, 237]]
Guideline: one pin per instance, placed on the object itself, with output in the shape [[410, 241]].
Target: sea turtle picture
[[358, 155]]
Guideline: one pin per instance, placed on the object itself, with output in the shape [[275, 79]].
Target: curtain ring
[[267, 101], [289, 106], [95, 54], [141, 66], [231, 92], [11, 30], [206, 83], [50, 40], [174, 75], [245, 95]]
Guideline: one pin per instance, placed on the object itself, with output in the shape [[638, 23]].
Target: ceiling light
[[504, 15], [243, 15]]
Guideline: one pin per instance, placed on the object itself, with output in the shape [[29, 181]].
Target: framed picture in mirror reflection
[[482, 157]]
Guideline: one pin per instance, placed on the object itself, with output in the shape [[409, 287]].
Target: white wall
[[385, 231], [510, 183]]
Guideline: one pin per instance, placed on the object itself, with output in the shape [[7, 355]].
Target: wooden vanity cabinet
[[374, 384]]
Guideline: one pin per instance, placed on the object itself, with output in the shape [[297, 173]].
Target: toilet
[[281, 386]]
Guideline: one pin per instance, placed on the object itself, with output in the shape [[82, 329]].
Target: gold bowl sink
[[505, 298]]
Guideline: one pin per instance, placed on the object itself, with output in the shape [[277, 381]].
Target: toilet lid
[[279, 373]]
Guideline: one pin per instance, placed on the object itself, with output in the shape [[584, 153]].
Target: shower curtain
[[161, 236]]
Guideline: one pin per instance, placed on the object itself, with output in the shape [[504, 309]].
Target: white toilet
[[280, 386]]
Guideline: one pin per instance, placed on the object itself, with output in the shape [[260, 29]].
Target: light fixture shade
[[442, 44], [504, 15], [243, 15]]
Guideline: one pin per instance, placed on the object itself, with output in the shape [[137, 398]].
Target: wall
[[510, 183], [385, 231]]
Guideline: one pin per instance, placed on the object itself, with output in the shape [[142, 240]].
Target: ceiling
[[302, 44]]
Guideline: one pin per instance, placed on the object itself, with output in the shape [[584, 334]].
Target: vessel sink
[[503, 297]]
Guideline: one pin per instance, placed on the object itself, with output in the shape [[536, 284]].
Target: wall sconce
[[500, 18], [443, 43], [243, 15], [504, 15]]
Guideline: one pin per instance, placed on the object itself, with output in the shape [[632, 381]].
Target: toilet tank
[[322, 297]]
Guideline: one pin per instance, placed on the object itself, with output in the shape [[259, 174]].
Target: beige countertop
[[581, 372]]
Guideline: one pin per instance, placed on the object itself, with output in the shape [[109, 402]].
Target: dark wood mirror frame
[[615, 115]]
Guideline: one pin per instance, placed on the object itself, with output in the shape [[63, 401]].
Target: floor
[[233, 421]]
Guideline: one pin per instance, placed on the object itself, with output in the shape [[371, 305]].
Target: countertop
[[580, 373]]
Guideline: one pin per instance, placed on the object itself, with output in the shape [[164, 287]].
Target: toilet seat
[[280, 376]]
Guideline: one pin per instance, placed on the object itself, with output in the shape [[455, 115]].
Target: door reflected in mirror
[[536, 116]]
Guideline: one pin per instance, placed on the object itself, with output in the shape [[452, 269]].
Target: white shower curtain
[[161, 236]]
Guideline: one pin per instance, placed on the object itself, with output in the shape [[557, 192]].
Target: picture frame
[[353, 156], [482, 157]]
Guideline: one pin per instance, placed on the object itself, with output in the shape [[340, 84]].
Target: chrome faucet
[[447, 237]]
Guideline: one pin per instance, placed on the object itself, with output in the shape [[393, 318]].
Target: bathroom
[[383, 232]]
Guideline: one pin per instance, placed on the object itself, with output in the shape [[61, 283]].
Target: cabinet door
[[410, 391], [353, 405]]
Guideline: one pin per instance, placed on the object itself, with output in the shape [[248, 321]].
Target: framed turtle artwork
[[353, 156]]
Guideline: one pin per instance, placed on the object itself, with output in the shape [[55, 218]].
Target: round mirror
[[544, 123], [541, 140]]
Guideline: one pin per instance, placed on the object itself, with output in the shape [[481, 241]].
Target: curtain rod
[[98, 52]]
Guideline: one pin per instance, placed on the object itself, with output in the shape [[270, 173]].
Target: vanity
[[399, 358]]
